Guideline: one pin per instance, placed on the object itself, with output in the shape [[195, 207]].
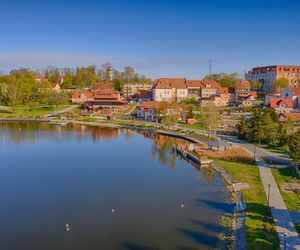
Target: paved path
[[62, 111], [282, 218]]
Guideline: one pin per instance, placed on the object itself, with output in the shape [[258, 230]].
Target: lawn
[[292, 200], [30, 111], [260, 228]]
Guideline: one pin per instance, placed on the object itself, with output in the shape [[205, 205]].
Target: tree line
[[264, 127], [229, 80], [86, 76]]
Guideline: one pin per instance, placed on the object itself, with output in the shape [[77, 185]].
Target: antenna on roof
[[210, 61]]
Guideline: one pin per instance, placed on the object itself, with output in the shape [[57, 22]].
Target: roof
[[295, 91], [253, 93], [169, 83], [274, 102], [144, 94], [242, 84], [292, 116], [212, 83], [195, 83], [54, 85], [106, 93], [79, 93], [150, 104], [38, 77]]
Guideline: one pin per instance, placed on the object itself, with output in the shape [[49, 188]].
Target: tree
[[129, 73], [52, 74], [225, 80], [243, 128], [294, 146], [280, 83]]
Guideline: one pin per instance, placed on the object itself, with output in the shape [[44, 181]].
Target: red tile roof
[[243, 85], [150, 105], [295, 91], [38, 77], [195, 83], [169, 83], [106, 94], [253, 93], [274, 102], [144, 94], [292, 116], [77, 94]]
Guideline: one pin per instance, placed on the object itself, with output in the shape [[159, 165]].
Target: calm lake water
[[117, 189]]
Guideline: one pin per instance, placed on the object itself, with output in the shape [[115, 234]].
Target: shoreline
[[239, 218]]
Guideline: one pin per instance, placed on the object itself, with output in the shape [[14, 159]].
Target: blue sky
[[174, 38]]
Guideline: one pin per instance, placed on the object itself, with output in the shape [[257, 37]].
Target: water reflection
[[112, 189]]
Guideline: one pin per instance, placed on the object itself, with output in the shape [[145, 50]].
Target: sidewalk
[[280, 213]]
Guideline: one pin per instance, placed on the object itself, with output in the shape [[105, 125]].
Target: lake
[[81, 187]]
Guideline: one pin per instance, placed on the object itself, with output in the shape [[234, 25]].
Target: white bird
[[182, 205], [113, 210]]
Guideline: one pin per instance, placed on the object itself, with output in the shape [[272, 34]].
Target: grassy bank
[[291, 199], [287, 175], [24, 111], [260, 229]]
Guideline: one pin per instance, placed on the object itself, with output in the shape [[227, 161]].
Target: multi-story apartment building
[[268, 74], [170, 89], [178, 89], [130, 89]]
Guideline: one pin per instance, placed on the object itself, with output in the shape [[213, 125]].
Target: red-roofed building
[[105, 99], [56, 87], [294, 117], [143, 96], [82, 96], [38, 77], [293, 93], [147, 110], [170, 89], [282, 105]]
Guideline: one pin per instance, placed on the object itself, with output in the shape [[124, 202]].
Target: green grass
[[193, 126], [281, 150], [260, 229], [292, 200], [24, 111]]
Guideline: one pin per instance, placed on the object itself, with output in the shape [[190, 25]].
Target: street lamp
[[269, 186]]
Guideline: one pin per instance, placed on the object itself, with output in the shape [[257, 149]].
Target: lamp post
[[269, 186]]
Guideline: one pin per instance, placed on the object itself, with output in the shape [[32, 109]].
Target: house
[[107, 99], [294, 117], [294, 94], [274, 94], [38, 77], [130, 89], [210, 87], [282, 105], [194, 88], [55, 87], [148, 110], [82, 96], [170, 89], [142, 96]]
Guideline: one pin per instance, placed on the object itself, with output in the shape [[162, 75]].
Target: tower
[[108, 73]]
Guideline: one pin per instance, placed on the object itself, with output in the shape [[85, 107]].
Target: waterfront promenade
[[285, 228]]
